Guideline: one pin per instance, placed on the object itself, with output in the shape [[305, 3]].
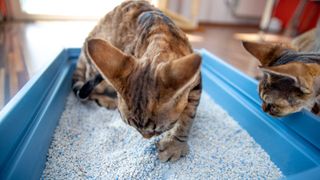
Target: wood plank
[[13, 75], [6, 87], [17, 56], [2, 86]]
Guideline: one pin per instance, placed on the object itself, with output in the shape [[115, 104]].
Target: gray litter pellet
[[91, 142]]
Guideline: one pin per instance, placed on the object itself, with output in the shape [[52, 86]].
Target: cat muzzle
[[268, 108], [149, 135]]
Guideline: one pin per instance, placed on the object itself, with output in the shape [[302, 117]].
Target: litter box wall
[[28, 121]]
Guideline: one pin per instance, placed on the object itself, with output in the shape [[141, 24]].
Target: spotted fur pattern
[[147, 60]]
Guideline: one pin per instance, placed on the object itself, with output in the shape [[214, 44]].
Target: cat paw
[[105, 101], [171, 149]]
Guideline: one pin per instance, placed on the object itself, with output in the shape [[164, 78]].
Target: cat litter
[[91, 142]]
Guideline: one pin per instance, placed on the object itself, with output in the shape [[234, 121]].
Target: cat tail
[[81, 87]]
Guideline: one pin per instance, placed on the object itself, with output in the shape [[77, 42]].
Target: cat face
[[151, 96], [149, 115], [285, 88], [281, 96], [145, 104]]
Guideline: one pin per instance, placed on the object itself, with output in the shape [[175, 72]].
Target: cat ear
[[296, 71], [265, 52], [177, 73], [109, 60]]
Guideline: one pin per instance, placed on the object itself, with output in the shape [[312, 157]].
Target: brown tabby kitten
[[144, 57], [291, 79]]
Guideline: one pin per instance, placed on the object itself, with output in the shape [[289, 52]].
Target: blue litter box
[[28, 121]]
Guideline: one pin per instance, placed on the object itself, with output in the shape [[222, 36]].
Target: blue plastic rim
[[28, 121]]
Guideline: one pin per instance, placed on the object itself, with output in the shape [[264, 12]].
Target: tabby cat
[[291, 78], [138, 60]]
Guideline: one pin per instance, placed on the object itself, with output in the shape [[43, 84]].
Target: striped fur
[[291, 78], [147, 60]]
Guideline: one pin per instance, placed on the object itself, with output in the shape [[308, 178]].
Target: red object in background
[[3, 8], [284, 10]]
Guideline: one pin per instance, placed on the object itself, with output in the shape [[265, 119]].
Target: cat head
[[284, 88], [150, 95]]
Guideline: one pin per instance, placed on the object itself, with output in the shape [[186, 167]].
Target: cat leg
[[78, 78], [104, 101], [104, 95], [174, 144]]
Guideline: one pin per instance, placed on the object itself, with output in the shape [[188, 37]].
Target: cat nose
[[147, 135], [266, 107], [269, 108]]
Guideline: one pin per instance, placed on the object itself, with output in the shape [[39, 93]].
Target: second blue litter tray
[[28, 121]]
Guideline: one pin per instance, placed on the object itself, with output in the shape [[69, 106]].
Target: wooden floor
[[27, 48], [13, 74]]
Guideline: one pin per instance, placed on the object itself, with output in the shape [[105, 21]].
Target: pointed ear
[[299, 72], [175, 74], [264, 52], [109, 60]]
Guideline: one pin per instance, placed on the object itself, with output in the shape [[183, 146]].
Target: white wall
[[218, 11]]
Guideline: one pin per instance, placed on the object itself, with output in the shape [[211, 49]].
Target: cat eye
[[132, 122], [265, 84], [300, 94]]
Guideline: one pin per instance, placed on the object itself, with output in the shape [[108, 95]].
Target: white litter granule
[[91, 142]]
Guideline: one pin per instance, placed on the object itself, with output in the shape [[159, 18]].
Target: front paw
[[104, 101], [171, 149], [107, 103]]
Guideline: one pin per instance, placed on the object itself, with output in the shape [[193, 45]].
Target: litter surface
[[91, 142]]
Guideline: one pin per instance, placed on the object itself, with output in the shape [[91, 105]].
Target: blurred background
[[33, 32]]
